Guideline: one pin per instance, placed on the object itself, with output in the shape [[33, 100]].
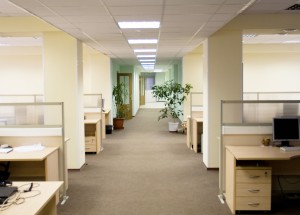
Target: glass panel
[[93, 100], [125, 80], [30, 114], [258, 111], [150, 82]]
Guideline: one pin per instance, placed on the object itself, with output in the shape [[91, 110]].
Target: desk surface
[[91, 121], [28, 156], [35, 204], [261, 153], [198, 119]]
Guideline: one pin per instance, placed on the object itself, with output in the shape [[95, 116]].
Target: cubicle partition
[[34, 124], [95, 119], [247, 123], [195, 121]]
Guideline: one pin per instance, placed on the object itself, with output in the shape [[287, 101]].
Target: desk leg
[[195, 136]]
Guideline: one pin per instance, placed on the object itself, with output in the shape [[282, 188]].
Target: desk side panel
[[52, 167], [230, 181]]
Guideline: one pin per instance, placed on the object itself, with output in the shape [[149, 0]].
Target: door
[[142, 90], [126, 79]]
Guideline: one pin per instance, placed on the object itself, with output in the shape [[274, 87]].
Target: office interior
[[224, 66]]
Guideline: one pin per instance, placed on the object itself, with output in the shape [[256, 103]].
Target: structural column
[[63, 78], [222, 80]]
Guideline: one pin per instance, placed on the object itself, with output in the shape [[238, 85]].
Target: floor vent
[[294, 7]]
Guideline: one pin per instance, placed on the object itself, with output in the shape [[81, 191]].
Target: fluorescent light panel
[[142, 41], [144, 50], [145, 55], [147, 60], [153, 24], [148, 63]]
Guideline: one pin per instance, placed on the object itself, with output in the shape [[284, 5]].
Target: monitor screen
[[286, 129]]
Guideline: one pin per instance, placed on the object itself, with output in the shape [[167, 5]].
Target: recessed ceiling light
[[158, 70], [142, 41], [292, 41], [149, 63], [145, 55], [154, 24], [144, 50], [147, 60], [148, 67]]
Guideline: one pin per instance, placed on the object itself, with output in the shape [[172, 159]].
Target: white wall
[[271, 68]]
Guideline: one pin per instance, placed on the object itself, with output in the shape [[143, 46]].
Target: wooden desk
[[37, 165], [43, 204], [240, 179], [93, 141]]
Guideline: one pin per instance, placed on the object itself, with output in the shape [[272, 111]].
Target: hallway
[[144, 170]]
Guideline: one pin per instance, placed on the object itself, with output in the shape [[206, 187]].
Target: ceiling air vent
[[294, 7]]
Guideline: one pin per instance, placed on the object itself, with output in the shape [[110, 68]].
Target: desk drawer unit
[[253, 188], [90, 144]]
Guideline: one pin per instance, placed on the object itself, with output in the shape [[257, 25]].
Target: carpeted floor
[[144, 170]]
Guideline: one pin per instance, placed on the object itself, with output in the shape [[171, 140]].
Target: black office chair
[[4, 173]]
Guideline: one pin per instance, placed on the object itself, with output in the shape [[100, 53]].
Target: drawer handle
[[254, 176], [253, 204], [254, 190]]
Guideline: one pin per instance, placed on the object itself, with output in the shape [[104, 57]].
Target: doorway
[[126, 79], [142, 90]]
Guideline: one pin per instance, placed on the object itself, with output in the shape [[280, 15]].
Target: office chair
[[4, 173]]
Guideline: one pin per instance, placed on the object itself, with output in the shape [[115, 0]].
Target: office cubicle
[[247, 122], [42, 123]]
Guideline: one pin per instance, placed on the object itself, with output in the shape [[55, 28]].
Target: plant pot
[[118, 123], [173, 126]]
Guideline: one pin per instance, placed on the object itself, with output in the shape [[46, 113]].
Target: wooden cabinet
[[253, 188], [248, 186], [93, 141]]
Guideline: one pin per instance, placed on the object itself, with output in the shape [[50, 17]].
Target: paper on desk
[[5, 150], [29, 148]]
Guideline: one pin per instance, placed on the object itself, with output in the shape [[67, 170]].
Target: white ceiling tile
[[136, 10], [184, 23], [194, 2], [191, 9], [132, 2]]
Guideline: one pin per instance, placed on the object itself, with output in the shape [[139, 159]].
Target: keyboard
[[288, 149]]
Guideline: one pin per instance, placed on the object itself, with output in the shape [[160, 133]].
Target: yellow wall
[[271, 68], [21, 73], [192, 67]]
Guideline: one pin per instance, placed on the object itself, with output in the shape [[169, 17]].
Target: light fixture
[[151, 63], [147, 60], [148, 67], [292, 41], [152, 24], [144, 50], [142, 41], [145, 55], [158, 70]]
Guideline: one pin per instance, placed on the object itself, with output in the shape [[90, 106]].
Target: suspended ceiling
[[184, 23]]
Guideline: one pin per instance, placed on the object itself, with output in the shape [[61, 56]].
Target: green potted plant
[[173, 95], [119, 96]]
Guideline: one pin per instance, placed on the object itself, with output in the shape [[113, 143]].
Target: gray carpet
[[144, 170]]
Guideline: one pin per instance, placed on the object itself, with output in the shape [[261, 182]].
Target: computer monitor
[[286, 129]]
